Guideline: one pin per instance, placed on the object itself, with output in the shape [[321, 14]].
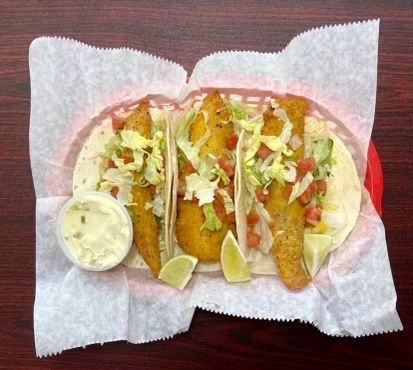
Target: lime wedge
[[178, 271], [315, 250], [234, 265]]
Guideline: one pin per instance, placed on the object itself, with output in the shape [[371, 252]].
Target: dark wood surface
[[184, 32]]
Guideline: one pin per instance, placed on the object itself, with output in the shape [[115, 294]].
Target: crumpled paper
[[72, 83]]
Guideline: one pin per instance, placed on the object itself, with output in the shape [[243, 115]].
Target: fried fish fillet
[[288, 229], [205, 244], [146, 228]]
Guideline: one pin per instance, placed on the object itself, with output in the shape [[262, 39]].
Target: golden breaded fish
[[205, 244], [288, 229], [145, 225]]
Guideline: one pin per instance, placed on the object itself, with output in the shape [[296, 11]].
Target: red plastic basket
[[374, 178]]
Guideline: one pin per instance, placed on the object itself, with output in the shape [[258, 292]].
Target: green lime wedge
[[178, 271], [234, 265], [315, 250]]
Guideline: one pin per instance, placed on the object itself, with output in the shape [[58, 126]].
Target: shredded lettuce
[[113, 177], [113, 147], [217, 170], [245, 116], [253, 144], [322, 151], [300, 187], [154, 171], [212, 221], [136, 165], [275, 171], [158, 206], [240, 111], [133, 140], [190, 151], [200, 187], [315, 129], [228, 202]]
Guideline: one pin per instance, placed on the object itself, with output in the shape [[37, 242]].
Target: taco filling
[[132, 169], [206, 143], [287, 162]]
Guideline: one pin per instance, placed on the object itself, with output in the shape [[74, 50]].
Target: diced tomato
[[313, 215], [287, 191], [232, 142], [252, 218], [118, 123], [305, 165], [152, 189], [127, 159], [264, 151], [219, 209], [253, 239], [111, 164], [313, 187], [114, 191], [230, 218], [305, 197], [322, 186], [261, 196], [188, 167], [227, 165]]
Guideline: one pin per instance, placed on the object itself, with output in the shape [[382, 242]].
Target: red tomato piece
[[152, 189], [253, 239], [314, 213], [306, 164], [118, 123], [227, 165], [230, 218], [287, 191], [305, 197], [232, 142], [252, 218], [127, 159], [261, 196], [114, 191], [111, 164], [264, 151], [313, 187], [188, 167], [322, 186], [219, 209]]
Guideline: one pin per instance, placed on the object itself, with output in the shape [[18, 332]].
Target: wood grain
[[185, 32]]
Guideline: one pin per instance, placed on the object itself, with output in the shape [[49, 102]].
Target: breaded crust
[[205, 244], [145, 225], [288, 229]]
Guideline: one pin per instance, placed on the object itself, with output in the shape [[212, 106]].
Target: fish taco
[[127, 155], [300, 194]]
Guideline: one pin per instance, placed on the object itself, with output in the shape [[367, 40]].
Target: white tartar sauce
[[96, 231]]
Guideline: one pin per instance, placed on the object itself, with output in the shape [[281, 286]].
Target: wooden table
[[184, 33]]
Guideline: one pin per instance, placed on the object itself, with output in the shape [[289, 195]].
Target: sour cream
[[95, 231]]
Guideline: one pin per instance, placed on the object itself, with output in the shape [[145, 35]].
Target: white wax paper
[[73, 83]]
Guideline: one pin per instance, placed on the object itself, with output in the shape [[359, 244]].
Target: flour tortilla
[[344, 192], [89, 168]]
